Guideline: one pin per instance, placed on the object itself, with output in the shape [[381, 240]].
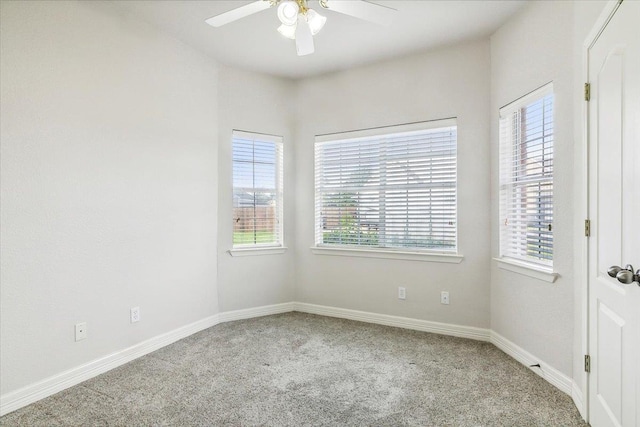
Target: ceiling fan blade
[[362, 9], [304, 38], [238, 13]]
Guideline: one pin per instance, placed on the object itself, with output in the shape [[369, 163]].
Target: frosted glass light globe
[[288, 12]]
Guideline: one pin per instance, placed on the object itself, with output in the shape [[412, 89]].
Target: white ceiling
[[253, 42]]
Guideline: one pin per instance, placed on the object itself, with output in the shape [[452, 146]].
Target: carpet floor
[[299, 369]]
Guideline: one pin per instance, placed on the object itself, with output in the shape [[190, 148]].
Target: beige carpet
[[303, 370]]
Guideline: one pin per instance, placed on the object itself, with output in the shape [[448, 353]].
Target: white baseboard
[[17, 399], [400, 322], [576, 395], [546, 371], [248, 313], [47, 387], [22, 397]]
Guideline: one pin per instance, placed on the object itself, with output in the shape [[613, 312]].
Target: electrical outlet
[[135, 314], [402, 292], [81, 331], [444, 297]]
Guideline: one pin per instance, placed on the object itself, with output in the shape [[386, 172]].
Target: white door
[[614, 210]]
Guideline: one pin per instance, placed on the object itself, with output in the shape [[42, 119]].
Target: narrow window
[[257, 190], [526, 178], [392, 188]]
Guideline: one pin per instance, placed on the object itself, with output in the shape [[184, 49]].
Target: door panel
[[610, 349], [614, 210], [609, 156]]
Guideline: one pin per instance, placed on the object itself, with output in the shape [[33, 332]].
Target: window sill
[[388, 254], [257, 251], [545, 274]]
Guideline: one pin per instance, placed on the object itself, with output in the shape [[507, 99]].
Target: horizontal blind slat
[[257, 189], [526, 179], [388, 191]]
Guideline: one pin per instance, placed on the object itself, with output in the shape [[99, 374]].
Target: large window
[[526, 178], [391, 187], [257, 190]]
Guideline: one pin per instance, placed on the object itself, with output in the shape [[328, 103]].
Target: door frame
[[581, 397]]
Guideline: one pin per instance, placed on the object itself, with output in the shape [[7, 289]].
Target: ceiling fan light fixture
[[316, 21], [289, 31], [300, 23], [288, 12]]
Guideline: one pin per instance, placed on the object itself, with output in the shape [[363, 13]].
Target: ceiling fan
[[301, 23]]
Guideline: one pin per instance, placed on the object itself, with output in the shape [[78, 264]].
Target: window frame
[[277, 247], [389, 252], [510, 150]]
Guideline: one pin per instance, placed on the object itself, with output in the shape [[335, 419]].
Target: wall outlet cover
[[81, 331], [135, 314], [444, 297]]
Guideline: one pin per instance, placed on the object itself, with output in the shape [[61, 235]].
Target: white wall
[[256, 103], [109, 185], [112, 176], [452, 81], [532, 49]]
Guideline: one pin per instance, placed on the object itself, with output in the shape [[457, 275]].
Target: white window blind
[[391, 187], [526, 178], [257, 190]]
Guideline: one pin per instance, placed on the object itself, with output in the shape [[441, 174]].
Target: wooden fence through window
[[264, 216]]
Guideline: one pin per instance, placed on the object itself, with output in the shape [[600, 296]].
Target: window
[[392, 187], [526, 178], [257, 190]]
